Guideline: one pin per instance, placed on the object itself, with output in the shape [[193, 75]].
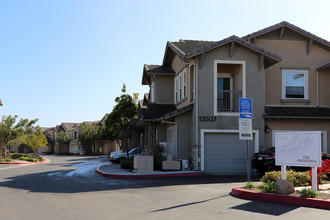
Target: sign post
[[245, 128]]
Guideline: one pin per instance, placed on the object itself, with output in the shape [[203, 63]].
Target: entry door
[[171, 141]]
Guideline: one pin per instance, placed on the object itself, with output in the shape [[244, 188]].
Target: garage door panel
[[225, 154]]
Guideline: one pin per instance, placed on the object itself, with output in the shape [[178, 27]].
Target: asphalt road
[[68, 188]]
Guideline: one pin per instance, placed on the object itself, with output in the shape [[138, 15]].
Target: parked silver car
[[116, 156]]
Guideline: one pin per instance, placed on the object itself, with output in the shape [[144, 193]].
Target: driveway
[[68, 188]]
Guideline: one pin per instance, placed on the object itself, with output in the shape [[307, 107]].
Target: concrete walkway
[[114, 170]]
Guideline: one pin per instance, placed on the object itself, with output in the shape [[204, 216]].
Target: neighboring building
[[58, 147], [192, 106]]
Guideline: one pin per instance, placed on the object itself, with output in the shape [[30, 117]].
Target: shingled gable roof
[[155, 111], [155, 69], [292, 27], [187, 49]]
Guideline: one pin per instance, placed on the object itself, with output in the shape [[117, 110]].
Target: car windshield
[[136, 151], [270, 150]]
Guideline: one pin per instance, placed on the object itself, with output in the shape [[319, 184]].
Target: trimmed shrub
[[298, 178], [16, 155], [271, 177], [29, 159], [308, 193], [268, 187], [250, 185], [6, 160], [126, 164], [323, 178]]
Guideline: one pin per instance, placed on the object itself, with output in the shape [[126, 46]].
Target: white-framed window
[[294, 84], [176, 90], [152, 88], [184, 83], [180, 86]]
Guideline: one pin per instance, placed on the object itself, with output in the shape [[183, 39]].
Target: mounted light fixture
[[267, 129]]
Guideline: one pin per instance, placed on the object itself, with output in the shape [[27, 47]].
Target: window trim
[[295, 71], [215, 75], [180, 84]]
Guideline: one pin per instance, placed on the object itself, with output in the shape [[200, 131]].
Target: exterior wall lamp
[[267, 129]]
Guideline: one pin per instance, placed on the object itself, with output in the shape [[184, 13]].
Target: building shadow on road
[[275, 209]]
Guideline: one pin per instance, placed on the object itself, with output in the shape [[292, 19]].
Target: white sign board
[[298, 148], [245, 129]]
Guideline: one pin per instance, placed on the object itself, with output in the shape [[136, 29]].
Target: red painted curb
[[269, 197], [98, 171]]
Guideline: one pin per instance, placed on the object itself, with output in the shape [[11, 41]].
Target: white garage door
[[225, 154]]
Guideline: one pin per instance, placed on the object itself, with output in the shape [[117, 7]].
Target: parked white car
[[116, 156]]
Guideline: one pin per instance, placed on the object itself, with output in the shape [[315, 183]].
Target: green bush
[[250, 185], [323, 178], [308, 193], [298, 178], [126, 164], [268, 187], [29, 159], [271, 177], [6, 160], [16, 155]]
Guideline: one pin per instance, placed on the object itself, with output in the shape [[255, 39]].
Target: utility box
[[185, 164], [171, 165], [144, 163]]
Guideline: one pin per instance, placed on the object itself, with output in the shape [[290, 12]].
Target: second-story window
[[181, 86], [184, 83], [294, 84], [176, 90]]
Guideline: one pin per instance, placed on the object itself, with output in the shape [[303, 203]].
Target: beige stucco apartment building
[[192, 106]]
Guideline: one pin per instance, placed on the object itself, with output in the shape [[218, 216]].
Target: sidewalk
[[114, 171]]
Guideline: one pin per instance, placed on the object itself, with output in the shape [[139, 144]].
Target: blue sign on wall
[[245, 108]]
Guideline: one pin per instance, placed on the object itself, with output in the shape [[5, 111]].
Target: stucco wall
[[183, 135], [324, 88], [164, 89], [297, 125], [293, 55], [255, 88]]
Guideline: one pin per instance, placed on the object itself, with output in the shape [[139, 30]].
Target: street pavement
[[69, 188]]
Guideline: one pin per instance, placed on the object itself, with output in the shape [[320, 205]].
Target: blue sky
[[66, 60]]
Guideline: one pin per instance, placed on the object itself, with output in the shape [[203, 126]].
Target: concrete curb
[[135, 176], [42, 162], [269, 197]]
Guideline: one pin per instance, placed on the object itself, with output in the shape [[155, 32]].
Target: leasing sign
[[298, 148]]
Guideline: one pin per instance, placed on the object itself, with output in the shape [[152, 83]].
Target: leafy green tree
[[88, 135], [119, 120], [35, 140], [63, 136], [11, 130]]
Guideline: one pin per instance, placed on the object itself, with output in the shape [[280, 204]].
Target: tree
[[35, 140], [119, 120], [63, 136], [10, 131], [88, 135]]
